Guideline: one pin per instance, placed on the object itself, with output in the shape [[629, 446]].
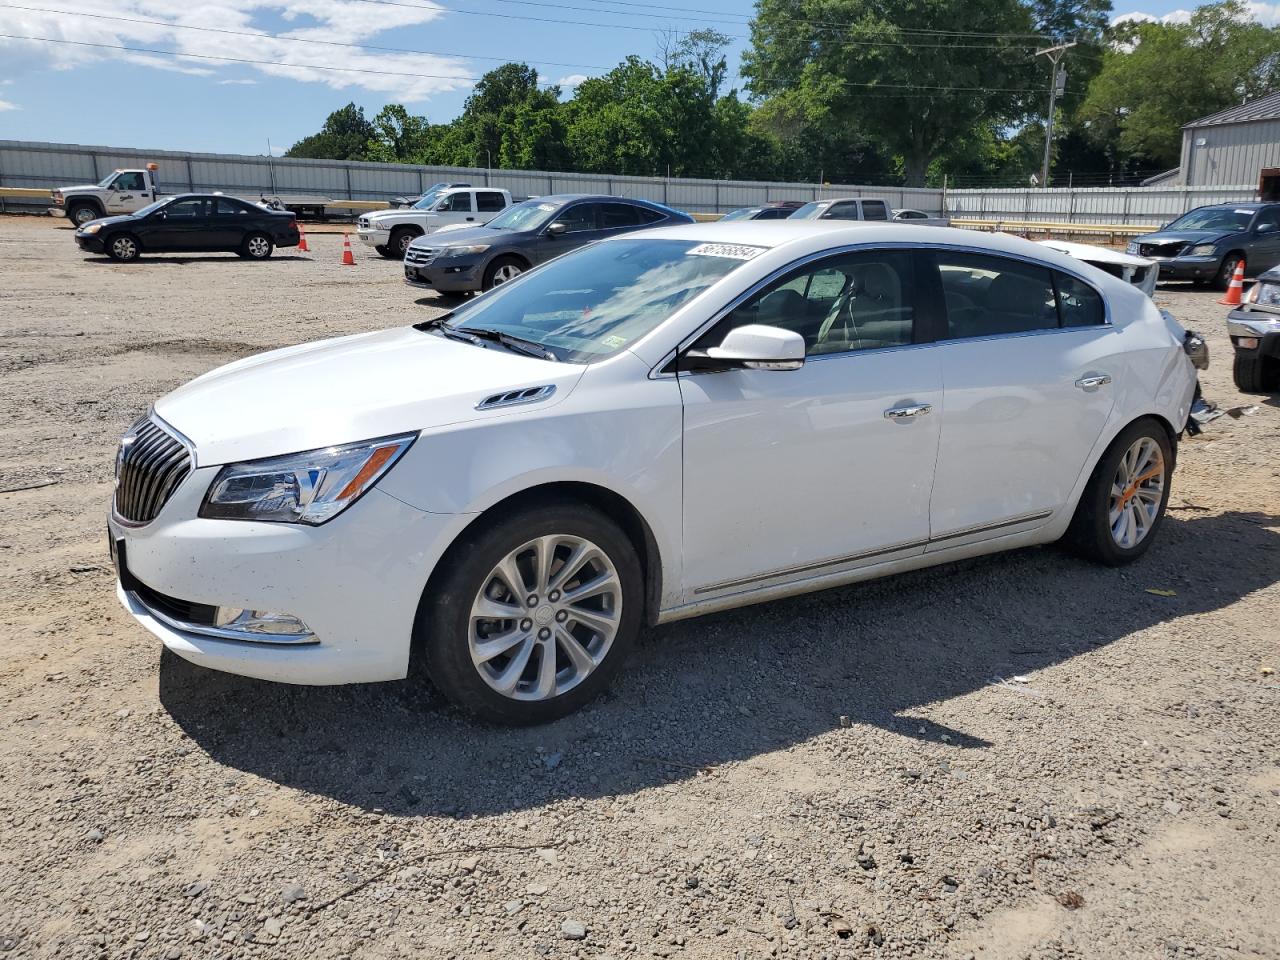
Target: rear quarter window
[[1079, 305]]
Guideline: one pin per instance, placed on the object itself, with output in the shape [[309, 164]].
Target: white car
[[652, 427], [390, 232], [1139, 271]]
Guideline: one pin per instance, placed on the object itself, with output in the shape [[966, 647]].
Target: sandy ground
[[1037, 757]]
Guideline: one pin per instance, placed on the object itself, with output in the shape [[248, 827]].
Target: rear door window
[[989, 296], [489, 201], [615, 215], [874, 210]]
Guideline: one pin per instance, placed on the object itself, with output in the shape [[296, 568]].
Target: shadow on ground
[[160, 259], [728, 687]]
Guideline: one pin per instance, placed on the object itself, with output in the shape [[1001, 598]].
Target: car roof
[[1246, 204]]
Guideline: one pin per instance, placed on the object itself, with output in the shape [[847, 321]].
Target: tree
[[344, 136], [1155, 77], [399, 137], [912, 94]]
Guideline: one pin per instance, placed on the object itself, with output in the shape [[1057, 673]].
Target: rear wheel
[[123, 248], [256, 246], [503, 270], [401, 237], [533, 614], [1124, 502], [1256, 374]]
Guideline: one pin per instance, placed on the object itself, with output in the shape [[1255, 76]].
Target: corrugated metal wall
[[49, 165], [1121, 206], [1231, 152]]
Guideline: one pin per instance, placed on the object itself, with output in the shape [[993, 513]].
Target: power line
[[269, 36]]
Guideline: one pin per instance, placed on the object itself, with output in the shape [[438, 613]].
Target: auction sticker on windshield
[[734, 251]]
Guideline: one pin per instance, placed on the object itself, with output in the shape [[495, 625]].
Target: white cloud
[[1265, 13], [237, 83], [279, 151], [6, 105], [338, 21], [573, 80]]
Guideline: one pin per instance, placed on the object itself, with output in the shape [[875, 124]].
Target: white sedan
[[653, 427]]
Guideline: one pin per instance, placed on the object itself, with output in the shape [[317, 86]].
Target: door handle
[[470, 218], [907, 411], [1094, 381]]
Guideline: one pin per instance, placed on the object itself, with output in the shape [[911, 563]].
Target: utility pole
[[1057, 83]]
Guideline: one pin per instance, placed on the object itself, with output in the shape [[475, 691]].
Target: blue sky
[[82, 93]]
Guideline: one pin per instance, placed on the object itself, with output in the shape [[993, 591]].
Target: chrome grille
[[419, 255], [150, 465]]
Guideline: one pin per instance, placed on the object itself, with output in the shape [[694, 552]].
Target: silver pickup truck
[[870, 209]]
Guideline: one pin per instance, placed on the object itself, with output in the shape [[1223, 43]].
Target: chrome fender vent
[[515, 397]]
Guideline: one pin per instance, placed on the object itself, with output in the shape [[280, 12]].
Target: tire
[[401, 237], [502, 270], [452, 640], [123, 248], [1225, 272], [1091, 534], [81, 213], [1256, 374], [256, 246], [384, 251]]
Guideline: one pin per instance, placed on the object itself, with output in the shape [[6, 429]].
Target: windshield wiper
[[518, 344]]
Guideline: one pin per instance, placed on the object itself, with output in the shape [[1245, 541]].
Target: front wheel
[[503, 270], [83, 213], [1124, 502], [123, 248], [256, 246], [1256, 374], [400, 240], [1228, 270], [533, 614]]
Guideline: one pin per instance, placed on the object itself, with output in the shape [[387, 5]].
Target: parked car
[[1206, 244], [844, 208], [1254, 328], [919, 216], [391, 231], [398, 203], [524, 236], [777, 210], [655, 426], [120, 191], [192, 222]]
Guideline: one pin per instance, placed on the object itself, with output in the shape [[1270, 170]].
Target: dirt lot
[[1023, 756]]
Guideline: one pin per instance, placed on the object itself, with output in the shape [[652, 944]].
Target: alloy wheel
[[259, 247], [1137, 490], [545, 617], [506, 272]]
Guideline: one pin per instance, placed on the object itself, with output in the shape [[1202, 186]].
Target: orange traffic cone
[[1232, 299], [348, 258], [302, 240]]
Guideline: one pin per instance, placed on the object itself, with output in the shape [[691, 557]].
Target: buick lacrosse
[[652, 427]]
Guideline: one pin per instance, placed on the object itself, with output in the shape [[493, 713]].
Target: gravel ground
[[1020, 756]]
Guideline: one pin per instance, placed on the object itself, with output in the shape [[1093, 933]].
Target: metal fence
[[45, 165]]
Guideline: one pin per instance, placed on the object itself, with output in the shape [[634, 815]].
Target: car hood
[[78, 186], [107, 221], [1095, 254], [377, 215], [1182, 236], [464, 237], [348, 389]]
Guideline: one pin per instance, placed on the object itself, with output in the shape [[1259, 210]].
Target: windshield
[[1213, 218], [529, 215], [590, 304], [151, 207], [106, 181], [809, 211], [430, 197], [746, 213]]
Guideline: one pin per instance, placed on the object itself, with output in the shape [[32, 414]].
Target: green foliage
[[1157, 77], [344, 136]]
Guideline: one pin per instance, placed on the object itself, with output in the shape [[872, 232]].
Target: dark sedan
[[1206, 244], [191, 223], [778, 210], [523, 236]]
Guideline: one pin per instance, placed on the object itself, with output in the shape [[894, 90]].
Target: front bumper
[[373, 237], [1247, 326], [447, 276], [1188, 268], [57, 211], [355, 582], [90, 243]]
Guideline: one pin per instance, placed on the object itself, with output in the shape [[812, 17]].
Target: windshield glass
[[1213, 218], [809, 211], [524, 216], [106, 181], [430, 197], [746, 213], [590, 304], [151, 207]]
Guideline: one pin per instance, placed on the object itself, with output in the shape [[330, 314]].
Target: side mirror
[[759, 347], [556, 229], [1265, 228]]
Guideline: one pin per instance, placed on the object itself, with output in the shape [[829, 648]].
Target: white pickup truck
[[121, 191], [871, 209], [391, 231]]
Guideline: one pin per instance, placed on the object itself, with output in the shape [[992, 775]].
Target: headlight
[[91, 228], [311, 487], [464, 251], [1202, 250], [1132, 248], [1264, 294]]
